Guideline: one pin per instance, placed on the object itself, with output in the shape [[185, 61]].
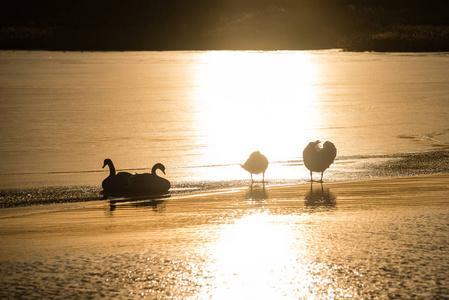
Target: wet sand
[[369, 238]]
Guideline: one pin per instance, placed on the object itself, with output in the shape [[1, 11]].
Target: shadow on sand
[[320, 197]]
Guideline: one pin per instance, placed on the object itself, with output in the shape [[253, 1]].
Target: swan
[[115, 182], [149, 182], [318, 159], [256, 163]]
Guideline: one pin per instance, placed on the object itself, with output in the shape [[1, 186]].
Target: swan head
[[107, 162], [328, 144], [254, 154], [158, 166], [315, 145]]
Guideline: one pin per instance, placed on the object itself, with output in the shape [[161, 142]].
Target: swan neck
[[111, 169], [156, 167], [153, 170]]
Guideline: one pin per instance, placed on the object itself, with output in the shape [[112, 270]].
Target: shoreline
[[394, 187], [353, 188]]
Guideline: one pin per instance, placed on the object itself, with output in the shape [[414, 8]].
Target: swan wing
[[148, 183], [328, 153], [117, 183], [310, 156]]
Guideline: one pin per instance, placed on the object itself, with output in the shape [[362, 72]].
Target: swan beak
[[163, 171], [104, 166]]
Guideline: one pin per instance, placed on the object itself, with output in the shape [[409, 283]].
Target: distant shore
[[399, 39], [404, 38], [233, 25]]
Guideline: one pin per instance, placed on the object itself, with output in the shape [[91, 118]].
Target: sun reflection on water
[[257, 258], [252, 101]]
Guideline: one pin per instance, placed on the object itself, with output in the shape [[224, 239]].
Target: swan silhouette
[[318, 159], [115, 182], [149, 182], [256, 163]]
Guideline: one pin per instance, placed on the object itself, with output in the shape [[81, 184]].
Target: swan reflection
[[320, 197], [157, 203]]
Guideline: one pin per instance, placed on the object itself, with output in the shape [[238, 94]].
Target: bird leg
[[321, 177], [311, 178]]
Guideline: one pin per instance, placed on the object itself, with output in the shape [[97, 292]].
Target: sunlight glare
[[255, 260], [256, 101]]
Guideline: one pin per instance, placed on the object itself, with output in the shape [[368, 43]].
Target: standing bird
[[149, 182], [256, 163], [115, 182], [318, 159]]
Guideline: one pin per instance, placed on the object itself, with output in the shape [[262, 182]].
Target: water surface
[[202, 113], [388, 239]]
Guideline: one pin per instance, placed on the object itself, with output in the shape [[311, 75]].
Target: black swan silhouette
[[115, 182], [256, 163], [149, 182], [318, 159]]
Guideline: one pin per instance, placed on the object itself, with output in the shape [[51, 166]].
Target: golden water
[[203, 113], [348, 241]]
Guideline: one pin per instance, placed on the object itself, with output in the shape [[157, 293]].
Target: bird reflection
[[318, 159], [257, 193], [320, 197], [256, 163], [157, 204]]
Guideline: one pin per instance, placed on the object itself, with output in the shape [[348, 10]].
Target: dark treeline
[[382, 25]]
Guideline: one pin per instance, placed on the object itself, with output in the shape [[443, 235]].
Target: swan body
[[115, 182], [256, 163], [318, 159], [149, 182], [124, 183]]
